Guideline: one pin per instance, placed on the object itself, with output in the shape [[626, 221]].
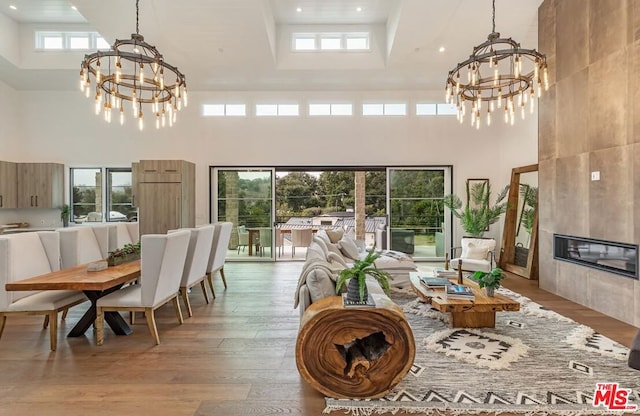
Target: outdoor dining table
[[94, 284]]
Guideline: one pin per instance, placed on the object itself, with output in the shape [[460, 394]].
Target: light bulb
[[82, 84], [157, 122], [87, 93], [98, 76], [488, 119], [141, 74], [140, 121], [506, 115], [121, 116], [184, 96]]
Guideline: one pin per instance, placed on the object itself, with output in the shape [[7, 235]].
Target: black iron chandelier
[[134, 71], [498, 76]]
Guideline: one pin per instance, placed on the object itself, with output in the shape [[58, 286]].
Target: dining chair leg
[[3, 321], [99, 326], [64, 314], [151, 322], [176, 308], [204, 290], [185, 298], [132, 317], [45, 324], [53, 330], [210, 280], [224, 279]]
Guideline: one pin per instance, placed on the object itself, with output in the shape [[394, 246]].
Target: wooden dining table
[[94, 284]]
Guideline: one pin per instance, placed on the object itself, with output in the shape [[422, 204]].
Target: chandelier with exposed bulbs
[[133, 73], [498, 76]]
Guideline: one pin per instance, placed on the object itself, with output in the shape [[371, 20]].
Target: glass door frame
[[214, 209], [448, 188]]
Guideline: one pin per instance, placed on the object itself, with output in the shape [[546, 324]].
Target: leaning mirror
[[519, 243]]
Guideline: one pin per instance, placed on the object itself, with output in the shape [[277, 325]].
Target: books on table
[[434, 282], [446, 273], [459, 292]]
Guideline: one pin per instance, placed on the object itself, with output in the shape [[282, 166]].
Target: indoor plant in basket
[[128, 252], [489, 280], [477, 214], [357, 275]]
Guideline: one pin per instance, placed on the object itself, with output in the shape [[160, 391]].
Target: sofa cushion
[[324, 236], [320, 284], [349, 248], [335, 235]]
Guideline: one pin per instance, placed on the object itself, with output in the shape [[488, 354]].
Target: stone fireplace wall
[[589, 121]]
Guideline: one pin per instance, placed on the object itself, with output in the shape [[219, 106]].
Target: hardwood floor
[[235, 356]]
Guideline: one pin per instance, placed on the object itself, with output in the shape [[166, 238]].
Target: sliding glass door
[[417, 224], [245, 198]]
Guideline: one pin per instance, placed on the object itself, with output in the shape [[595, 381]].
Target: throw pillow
[[335, 235], [324, 236], [320, 285], [349, 248], [475, 253]]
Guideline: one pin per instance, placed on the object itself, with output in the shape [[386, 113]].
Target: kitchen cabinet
[[8, 185], [40, 185], [166, 195]]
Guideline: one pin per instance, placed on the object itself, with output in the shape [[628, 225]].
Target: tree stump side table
[[354, 352]]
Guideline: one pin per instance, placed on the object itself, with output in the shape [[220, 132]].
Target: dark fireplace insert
[[620, 258]]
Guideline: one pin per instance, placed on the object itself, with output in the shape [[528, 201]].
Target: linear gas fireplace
[[620, 258]]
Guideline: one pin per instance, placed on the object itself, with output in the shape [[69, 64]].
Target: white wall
[[9, 121], [62, 127]]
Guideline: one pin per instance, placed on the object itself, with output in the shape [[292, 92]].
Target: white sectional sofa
[[329, 253]]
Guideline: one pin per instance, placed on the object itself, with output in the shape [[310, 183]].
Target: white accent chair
[[195, 267], [300, 237], [266, 235], [123, 233], [221, 237], [243, 237], [27, 255], [475, 253], [162, 261], [83, 244]]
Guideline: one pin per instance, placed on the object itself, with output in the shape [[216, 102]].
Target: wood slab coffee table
[[479, 313]]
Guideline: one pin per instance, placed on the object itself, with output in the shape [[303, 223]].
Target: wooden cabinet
[[8, 185], [40, 185], [165, 195]]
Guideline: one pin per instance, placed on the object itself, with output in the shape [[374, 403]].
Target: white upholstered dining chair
[[218, 255], [83, 244], [161, 265], [195, 267], [27, 255], [122, 233]]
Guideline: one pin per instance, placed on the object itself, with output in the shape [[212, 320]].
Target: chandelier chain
[[138, 12], [494, 17]]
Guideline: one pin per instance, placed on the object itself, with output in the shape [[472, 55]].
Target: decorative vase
[[490, 291], [353, 291]]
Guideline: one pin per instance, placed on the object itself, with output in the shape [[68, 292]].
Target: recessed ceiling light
[[442, 49], [13, 7], [358, 9], [299, 9], [74, 8]]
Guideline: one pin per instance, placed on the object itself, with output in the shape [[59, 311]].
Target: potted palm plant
[[357, 276], [489, 280], [477, 214]]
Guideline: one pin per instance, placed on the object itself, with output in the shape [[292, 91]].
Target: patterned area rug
[[533, 362]]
